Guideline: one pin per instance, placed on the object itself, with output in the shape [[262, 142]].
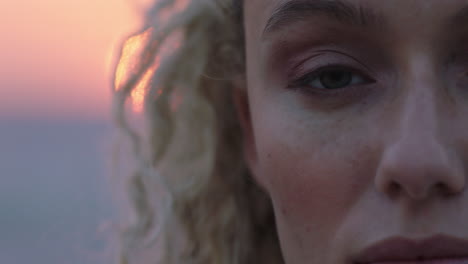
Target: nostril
[[393, 188], [443, 189]]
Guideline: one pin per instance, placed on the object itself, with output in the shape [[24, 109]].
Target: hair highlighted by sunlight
[[191, 193]]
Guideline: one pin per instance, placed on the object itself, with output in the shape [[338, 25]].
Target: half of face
[[357, 122]]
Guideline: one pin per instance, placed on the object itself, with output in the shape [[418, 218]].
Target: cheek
[[313, 175], [311, 191]]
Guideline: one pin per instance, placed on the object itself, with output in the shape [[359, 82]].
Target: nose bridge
[[417, 160], [418, 116], [417, 126]]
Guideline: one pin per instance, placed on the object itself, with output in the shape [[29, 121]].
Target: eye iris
[[335, 79]]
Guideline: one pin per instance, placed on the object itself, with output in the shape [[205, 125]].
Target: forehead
[[407, 14]]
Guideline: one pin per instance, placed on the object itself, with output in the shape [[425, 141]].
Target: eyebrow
[[342, 11]]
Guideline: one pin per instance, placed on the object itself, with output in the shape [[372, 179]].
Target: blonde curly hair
[[193, 198]]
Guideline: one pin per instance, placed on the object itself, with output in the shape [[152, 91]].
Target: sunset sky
[[55, 82], [56, 55]]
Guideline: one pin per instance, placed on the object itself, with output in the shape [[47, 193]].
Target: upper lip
[[403, 249]]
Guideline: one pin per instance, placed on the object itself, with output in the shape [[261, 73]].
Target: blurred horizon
[[56, 204]]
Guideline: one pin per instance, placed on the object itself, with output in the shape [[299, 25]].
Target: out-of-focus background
[[56, 59]]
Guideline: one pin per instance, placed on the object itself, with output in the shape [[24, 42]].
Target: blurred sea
[[55, 202]]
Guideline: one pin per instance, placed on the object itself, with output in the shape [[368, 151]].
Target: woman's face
[[358, 124]]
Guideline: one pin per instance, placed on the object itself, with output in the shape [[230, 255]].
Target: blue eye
[[333, 78]]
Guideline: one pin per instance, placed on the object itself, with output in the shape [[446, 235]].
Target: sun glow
[[128, 62], [131, 54], [139, 92]]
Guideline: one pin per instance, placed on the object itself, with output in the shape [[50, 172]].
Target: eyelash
[[301, 84]]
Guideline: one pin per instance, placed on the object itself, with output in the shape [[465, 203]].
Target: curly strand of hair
[[211, 211]]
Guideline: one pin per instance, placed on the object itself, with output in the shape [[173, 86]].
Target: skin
[[383, 157]]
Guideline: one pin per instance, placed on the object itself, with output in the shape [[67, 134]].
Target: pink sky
[[55, 55]]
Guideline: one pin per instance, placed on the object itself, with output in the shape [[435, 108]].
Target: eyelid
[[326, 57]]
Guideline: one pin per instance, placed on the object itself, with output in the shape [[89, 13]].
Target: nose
[[417, 163]]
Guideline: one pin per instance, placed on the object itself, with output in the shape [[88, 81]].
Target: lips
[[440, 249]]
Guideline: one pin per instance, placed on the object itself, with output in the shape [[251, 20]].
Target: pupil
[[335, 79]]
